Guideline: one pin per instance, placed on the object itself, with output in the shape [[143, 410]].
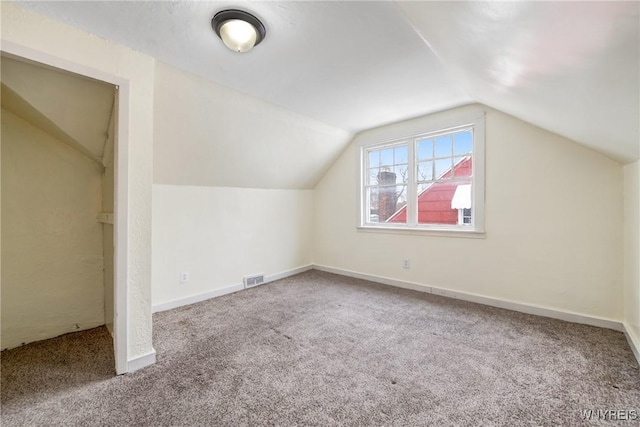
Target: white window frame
[[410, 132]]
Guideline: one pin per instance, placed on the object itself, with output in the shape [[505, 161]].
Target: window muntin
[[437, 186]]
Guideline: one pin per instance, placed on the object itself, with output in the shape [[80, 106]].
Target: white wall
[[208, 134], [632, 251], [553, 224], [219, 235], [52, 280], [62, 42], [229, 197]]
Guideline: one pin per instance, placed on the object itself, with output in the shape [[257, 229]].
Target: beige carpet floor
[[323, 350]]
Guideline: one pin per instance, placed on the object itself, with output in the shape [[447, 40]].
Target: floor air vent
[[251, 281]]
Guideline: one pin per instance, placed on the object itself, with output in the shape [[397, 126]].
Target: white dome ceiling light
[[240, 31]]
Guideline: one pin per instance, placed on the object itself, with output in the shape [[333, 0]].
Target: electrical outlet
[[184, 277], [406, 264]]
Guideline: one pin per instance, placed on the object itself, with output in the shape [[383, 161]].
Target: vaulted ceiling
[[570, 67]]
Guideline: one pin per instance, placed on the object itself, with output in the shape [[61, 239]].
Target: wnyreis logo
[[610, 414]]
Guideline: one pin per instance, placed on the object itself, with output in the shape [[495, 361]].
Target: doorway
[[63, 222]]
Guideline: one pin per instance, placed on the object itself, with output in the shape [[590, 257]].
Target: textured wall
[[46, 36], [553, 224], [52, 280]]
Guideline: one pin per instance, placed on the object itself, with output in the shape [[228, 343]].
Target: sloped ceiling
[[353, 65], [570, 67], [73, 108]]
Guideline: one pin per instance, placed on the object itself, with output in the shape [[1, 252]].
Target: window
[[430, 181], [464, 216]]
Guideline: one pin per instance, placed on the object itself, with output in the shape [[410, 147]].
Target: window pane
[[425, 149], [374, 159], [462, 143], [462, 166], [434, 203], [386, 157], [402, 174], [388, 204], [372, 201], [425, 171], [401, 154], [372, 176], [385, 177], [443, 146], [443, 168]]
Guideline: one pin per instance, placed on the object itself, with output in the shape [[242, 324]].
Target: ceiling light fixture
[[240, 31]]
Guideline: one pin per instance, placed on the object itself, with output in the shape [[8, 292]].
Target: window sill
[[465, 234]]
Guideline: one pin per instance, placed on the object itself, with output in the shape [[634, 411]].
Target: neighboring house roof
[[439, 203]]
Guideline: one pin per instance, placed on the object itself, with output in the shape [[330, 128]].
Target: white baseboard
[[633, 341], [378, 279], [493, 302], [277, 276], [224, 291], [141, 361], [192, 299]]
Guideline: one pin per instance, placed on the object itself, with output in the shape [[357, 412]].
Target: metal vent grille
[[251, 281]]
